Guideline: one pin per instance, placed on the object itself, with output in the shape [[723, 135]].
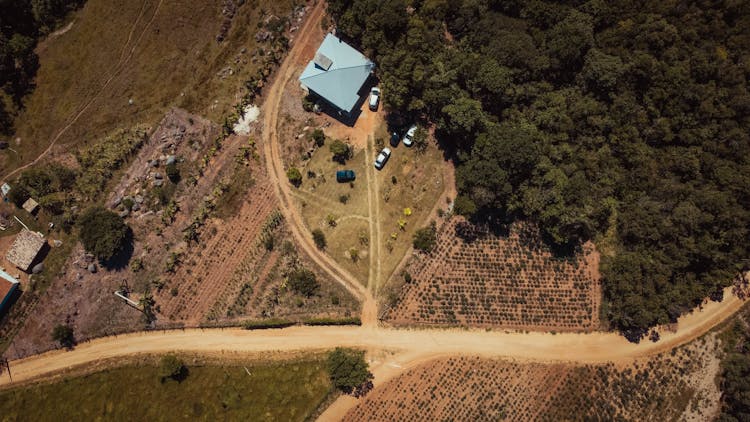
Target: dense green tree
[[63, 334], [304, 282], [348, 369], [172, 367], [103, 232]]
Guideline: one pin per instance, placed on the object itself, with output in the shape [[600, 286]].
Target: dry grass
[[171, 58]]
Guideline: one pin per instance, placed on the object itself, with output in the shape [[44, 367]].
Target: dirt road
[[416, 344], [277, 173]]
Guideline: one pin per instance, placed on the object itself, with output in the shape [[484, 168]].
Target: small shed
[[8, 285], [25, 249], [31, 206]]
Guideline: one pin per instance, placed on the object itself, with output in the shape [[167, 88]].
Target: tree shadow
[[121, 259]]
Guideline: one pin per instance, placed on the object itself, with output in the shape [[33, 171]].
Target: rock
[[38, 268], [92, 268], [136, 207], [79, 276], [57, 243], [158, 183], [171, 159], [124, 213], [138, 199], [131, 102], [154, 163]]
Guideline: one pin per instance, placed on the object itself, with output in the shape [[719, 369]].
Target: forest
[[22, 22], [622, 122]]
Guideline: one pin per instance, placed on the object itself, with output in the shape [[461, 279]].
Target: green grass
[[275, 391]]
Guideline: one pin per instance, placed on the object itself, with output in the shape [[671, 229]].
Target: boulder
[[124, 213], [92, 268], [158, 182], [136, 207], [38, 268], [158, 176], [171, 159], [138, 199]]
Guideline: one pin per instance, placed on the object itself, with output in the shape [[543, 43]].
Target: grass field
[[159, 54], [275, 391]]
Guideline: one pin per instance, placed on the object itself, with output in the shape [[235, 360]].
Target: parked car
[[374, 98], [382, 158], [343, 176], [409, 137], [395, 139]]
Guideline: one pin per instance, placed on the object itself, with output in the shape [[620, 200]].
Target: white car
[[382, 158], [374, 98], [409, 137]]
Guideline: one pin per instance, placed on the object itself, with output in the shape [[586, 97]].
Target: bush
[[268, 323], [303, 281], [348, 369], [173, 173], [294, 176], [344, 198], [63, 334], [425, 238], [333, 321], [172, 367], [319, 137], [308, 103], [103, 232], [319, 238], [340, 150]]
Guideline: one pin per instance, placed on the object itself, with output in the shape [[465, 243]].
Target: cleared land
[[158, 54], [478, 278], [270, 391], [664, 387]]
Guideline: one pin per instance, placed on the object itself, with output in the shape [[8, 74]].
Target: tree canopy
[[348, 369], [103, 232], [626, 123]]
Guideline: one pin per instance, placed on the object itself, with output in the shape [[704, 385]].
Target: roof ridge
[[327, 72]]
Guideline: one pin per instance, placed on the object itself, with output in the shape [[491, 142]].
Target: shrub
[[308, 104], [294, 176], [303, 281], [173, 173], [394, 180], [420, 140], [333, 321], [128, 203], [319, 238], [63, 334], [268, 323], [348, 369], [344, 198], [103, 232], [172, 367], [340, 150], [331, 220], [319, 137], [425, 238]]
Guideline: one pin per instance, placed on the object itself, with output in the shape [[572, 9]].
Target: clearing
[[288, 390]]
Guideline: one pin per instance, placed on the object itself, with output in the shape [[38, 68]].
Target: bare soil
[[471, 388]]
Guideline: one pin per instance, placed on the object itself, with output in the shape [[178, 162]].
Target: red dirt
[[486, 280]]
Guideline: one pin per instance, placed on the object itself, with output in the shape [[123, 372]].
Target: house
[[25, 249], [337, 74], [8, 285], [31, 206]]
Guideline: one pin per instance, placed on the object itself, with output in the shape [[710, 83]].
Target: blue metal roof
[[347, 70], [13, 286]]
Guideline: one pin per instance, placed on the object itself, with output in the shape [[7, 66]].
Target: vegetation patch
[[286, 390]]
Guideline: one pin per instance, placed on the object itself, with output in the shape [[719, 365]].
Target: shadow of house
[[338, 76]]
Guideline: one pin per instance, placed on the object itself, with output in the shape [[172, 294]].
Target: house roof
[[30, 205], [25, 249], [337, 72], [7, 284]]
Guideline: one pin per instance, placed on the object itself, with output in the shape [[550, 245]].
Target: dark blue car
[[343, 176]]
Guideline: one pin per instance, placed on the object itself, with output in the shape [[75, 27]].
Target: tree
[[319, 137], [63, 334], [340, 150], [348, 370], [173, 173], [103, 232], [294, 176], [172, 367], [425, 238], [420, 141], [319, 238], [304, 282]]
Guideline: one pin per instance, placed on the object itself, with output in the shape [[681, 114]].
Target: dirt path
[[119, 67], [277, 172], [418, 344]]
